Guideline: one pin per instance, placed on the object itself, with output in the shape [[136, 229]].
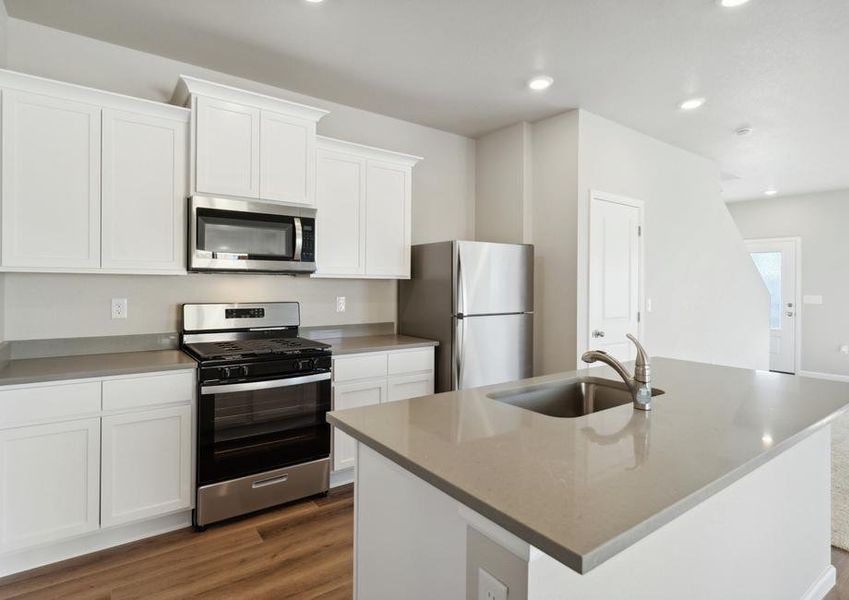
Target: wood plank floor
[[303, 550]]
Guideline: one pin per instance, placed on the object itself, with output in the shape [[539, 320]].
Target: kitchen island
[[722, 491]]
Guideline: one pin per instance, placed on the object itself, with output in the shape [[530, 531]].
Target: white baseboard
[[818, 375], [101, 539], [822, 585], [343, 477]]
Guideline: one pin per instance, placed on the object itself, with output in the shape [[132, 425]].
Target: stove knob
[[306, 365], [243, 371], [225, 372]]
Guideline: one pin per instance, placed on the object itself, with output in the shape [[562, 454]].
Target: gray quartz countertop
[[584, 489], [35, 370], [376, 343]]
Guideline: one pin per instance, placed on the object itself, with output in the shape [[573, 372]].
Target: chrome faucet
[[640, 383]]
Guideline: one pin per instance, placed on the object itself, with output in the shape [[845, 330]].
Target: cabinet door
[[144, 192], [49, 482], [51, 182], [340, 199], [287, 159], [227, 148], [404, 387], [352, 395], [146, 464], [388, 203]]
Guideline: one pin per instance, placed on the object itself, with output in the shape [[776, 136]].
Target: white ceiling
[[780, 66]]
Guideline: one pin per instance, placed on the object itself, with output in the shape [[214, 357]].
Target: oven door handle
[[252, 386]]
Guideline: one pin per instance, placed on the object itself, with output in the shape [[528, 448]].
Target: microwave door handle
[[299, 238], [253, 386]]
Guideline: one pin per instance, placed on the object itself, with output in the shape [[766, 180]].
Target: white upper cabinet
[[341, 203], [227, 150], [251, 145], [364, 201], [91, 181], [144, 191], [51, 181], [287, 166], [388, 206]]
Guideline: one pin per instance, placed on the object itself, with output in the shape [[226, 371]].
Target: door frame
[[797, 300], [584, 279]]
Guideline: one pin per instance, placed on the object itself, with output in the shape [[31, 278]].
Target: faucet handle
[[642, 368]]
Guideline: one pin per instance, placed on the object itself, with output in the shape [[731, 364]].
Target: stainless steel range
[[263, 396]]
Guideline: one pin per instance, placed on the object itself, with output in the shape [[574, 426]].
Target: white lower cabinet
[[49, 482], [352, 395], [374, 378], [146, 464], [79, 456]]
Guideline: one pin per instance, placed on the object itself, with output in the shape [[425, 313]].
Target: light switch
[[489, 588]]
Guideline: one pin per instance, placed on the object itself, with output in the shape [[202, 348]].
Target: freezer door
[[492, 349], [493, 278]]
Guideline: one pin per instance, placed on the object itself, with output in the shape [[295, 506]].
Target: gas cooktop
[[254, 348]]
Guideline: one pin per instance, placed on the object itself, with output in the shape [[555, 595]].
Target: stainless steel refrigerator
[[476, 299]]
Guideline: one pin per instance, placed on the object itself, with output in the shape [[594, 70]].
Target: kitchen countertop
[[584, 489], [36, 370], [376, 343]]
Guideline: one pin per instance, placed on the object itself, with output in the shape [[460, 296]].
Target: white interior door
[[776, 262], [614, 275]]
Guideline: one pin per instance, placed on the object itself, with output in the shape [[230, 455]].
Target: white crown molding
[[369, 152], [33, 84], [192, 86]]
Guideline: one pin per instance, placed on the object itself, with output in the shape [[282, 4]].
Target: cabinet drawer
[[410, 361], [410, 386], [360, 366], [54, 402], [150, 390]]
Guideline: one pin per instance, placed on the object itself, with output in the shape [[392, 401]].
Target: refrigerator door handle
[[459, 282], [458, 354]]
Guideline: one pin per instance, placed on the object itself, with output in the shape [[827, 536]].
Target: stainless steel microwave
[[247, 235]]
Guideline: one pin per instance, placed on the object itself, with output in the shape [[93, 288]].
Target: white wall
[[443, 200], [4, 21], [501, 179], [709, 304], [821, 221], [554, 151]]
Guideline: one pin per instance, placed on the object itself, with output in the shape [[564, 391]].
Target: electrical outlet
[[119, 308], [489, 588], [340, 303]]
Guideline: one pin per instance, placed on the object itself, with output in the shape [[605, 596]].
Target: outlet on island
[[340, 303], [119, 308]]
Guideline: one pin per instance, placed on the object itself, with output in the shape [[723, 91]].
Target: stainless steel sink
[[572, 398]]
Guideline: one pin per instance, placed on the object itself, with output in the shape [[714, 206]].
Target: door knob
[[597, 333]]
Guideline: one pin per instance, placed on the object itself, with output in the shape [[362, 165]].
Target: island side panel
[[410, 541], [766, 536]]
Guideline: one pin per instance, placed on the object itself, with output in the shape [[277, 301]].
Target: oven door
[[251, 427], [243, 235]]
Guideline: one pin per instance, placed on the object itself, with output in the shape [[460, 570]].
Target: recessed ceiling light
[[692, 104], [540, 83], [314, 1], [771, 192], [731, 3]]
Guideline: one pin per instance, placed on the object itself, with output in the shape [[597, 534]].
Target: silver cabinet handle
[[597, 333]]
